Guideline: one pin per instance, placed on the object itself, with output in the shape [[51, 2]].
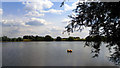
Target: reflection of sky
[[50, 20], [51, 54]]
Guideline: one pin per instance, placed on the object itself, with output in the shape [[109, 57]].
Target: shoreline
[[42, 41]]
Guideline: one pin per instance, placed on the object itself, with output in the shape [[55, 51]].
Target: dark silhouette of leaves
[[104, 20]]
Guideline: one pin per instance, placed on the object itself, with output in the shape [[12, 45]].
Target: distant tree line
[[5, 38], [49, 38]]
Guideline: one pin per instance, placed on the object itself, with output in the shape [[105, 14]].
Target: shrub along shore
[[28, 38]]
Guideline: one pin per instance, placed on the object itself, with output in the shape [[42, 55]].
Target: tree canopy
[[102, 17], [104, 20]]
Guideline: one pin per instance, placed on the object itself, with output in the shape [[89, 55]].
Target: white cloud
[[31, 30], [1, 11], [73, 6], [36, 26], [36, 22], [37, 4], [24, 22], [24, 26], [53, 11], [83, 34], [33, 7], [13, 22], [34, 14], [66, 20], [36, 8], [69, 8], [33, 24]]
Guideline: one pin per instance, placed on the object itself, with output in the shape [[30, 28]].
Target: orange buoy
[[69, 50]]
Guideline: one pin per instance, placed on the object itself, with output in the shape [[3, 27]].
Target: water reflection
[[52, 54], [95, 47], [69, 53], [114, 51], [115, 56]]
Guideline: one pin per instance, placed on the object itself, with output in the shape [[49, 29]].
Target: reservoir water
[[52, 54]]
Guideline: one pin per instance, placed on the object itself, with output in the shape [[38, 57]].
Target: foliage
[[100, 16], [104, 20], [40, 38], [70, 39], [96, 38], [58, 39], [5, 38], [48, 38]]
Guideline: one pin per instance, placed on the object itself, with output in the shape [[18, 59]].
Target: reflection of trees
[[114, 55], [95, 48]]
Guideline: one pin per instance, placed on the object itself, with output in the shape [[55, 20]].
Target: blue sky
[[37, 18], [13, 8]]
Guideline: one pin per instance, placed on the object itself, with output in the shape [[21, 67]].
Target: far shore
[[48, 38], [43, 41]]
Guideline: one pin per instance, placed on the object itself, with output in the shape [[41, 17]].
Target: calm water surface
[[52, 54]]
